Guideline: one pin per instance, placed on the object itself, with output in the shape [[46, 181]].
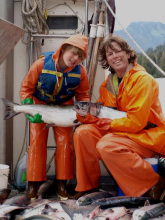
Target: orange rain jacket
[[125, 143], [30, 81], [138, 97], [64, 158]]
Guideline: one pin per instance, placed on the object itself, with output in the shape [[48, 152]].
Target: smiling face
[[117, 59], [70, 58]]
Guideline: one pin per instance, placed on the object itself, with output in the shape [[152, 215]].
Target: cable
[[154, 64]]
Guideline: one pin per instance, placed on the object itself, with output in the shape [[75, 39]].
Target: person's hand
[[102, 123], [27, 101], [37, 118]]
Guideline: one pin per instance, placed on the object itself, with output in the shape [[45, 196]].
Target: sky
[[128, 11]]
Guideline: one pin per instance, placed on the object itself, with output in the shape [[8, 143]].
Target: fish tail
[[10, 113]]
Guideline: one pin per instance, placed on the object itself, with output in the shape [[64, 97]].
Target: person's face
[[117, 59], [70, 58]]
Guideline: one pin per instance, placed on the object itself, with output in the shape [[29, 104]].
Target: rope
[[33, 12], [154, 64]]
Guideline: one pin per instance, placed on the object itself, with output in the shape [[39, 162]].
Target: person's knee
[[82, 130], [105, 145]]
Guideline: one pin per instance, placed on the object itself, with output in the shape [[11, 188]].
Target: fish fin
[[72, 209], [147, 203], [47, 206], [49, 125], [110, 211], [10, 113]]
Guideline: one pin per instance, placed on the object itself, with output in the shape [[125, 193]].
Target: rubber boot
[[61, 189], [32, 189], [157, 191]]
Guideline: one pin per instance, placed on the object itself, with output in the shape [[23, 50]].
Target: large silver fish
[[98, 110], [57, 115], [60, 115]]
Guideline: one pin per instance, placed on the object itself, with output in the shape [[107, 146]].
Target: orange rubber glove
[[102, 123]]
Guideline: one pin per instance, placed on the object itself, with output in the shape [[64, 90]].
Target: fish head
[[140, 215], [95, 108], [82, 107], [86, 201]]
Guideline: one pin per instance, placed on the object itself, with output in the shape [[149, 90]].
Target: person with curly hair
[[123, 143]]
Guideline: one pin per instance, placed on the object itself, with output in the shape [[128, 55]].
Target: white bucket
[[4, 172]]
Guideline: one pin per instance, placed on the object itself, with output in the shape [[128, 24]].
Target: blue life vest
[[48, 89]]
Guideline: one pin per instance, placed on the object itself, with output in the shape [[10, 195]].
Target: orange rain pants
[[122, 156], [37, 154]]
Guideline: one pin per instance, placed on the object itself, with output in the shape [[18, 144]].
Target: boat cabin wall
[[6, 90]]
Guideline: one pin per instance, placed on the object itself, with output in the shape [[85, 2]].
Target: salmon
[[148, 212], [56, 115], [98, 110], [60, 115]]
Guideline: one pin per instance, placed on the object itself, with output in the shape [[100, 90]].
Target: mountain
[[146, 34]]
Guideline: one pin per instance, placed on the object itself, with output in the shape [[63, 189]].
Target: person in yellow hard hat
[[55, 78], [123, 144]]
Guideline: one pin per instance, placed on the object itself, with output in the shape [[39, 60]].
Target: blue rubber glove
[[37, 118]]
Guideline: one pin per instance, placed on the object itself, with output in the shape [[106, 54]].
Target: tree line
[[158, 56]]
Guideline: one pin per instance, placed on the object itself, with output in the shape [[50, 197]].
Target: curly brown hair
[[107, 43]]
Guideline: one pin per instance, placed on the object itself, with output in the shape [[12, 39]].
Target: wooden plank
[[10, 34], [94, 60]]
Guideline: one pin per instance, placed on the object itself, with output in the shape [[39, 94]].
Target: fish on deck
[[51, 208], [4, 193], [44, 188], [111, 213], [93, 197], [150, 211], [15, 203], [128, 202]]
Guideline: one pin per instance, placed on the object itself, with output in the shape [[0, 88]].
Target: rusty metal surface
[[10, 34]]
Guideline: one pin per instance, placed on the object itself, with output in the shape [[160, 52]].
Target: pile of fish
[[101, 205]]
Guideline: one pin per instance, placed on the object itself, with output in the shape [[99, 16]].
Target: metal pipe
[[86, 18], [107, 23], [31, 61]]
